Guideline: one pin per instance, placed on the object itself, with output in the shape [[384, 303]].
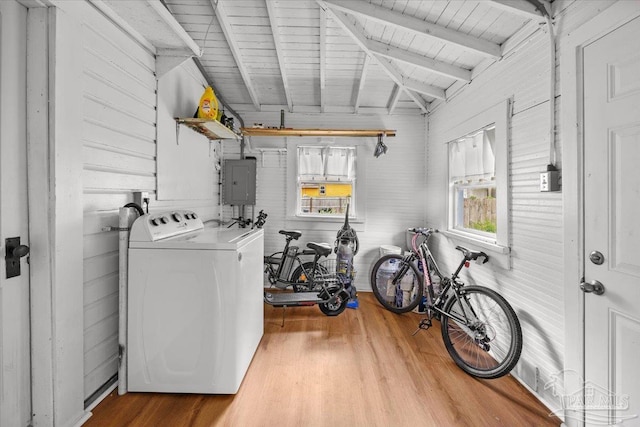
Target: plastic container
[[436, 283], [390, 249], [421, 308], [344, 259], [406, 283], [208, 107]]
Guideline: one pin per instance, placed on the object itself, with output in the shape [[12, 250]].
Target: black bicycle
[[480, 329], [287, 269]]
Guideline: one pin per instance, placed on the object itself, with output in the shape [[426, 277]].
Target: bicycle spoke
[[483, 337], [396, 283]]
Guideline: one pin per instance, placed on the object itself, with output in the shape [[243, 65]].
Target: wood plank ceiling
[[346, 56]]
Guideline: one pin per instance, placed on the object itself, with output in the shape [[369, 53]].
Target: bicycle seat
[[295, 235], [322, 249], [470, 255]]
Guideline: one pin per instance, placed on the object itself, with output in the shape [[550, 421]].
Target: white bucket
[[390, 249]]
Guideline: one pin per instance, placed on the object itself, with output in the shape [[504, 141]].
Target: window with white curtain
[[472, 183], [326, 180]]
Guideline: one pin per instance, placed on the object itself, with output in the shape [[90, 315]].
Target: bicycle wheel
[[301, 282], [336, 307], [484, 336], [403, 295]]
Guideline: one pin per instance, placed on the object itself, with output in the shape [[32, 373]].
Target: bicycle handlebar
[[424, 231]]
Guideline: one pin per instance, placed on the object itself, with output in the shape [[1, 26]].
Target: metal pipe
[[552, 94], [126, 218]]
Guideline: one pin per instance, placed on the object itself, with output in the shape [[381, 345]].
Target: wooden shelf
[[212, 129], [316, 132]]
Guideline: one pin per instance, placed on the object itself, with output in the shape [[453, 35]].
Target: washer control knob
[[194, 216], [176, 217], [188, 216], [154, 221], [164, 220]]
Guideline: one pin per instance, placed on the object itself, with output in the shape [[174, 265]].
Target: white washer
[[195, 304]]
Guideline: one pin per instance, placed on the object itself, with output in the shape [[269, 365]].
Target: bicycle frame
[[480, 330], [279, 259], [422, 253]]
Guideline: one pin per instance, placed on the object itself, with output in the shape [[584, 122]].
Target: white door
[[612, 226], [15, 376]]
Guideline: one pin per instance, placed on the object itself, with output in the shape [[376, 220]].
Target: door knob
[[592, 287], [19, 251], [14, 251]]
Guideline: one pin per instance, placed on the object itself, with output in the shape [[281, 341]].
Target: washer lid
[[204, 239]]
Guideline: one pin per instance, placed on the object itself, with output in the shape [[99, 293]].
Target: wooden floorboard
[[361, 368]]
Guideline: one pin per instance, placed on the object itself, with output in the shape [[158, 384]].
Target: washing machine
[[195, 304]]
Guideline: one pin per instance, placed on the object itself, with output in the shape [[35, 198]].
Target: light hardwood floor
[[362, 368]]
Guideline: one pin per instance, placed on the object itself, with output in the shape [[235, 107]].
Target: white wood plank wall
[[119, 133], [393, 183], [534, 283]]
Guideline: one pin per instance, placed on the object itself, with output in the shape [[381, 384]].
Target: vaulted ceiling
[[347, 56]]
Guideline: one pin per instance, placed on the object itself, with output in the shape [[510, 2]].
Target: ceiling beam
[[363, 76], [415, 25], [361, 41], [400, 79], [521, 7], [279, 53], [393, 101], [35, 3], [438, 67], [219, 9], [425, 89], [323, 59]]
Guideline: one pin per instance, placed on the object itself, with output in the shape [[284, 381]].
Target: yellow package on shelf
[[208, 107]]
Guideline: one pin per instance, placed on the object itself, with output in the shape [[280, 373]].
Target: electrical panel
[[239, 182]]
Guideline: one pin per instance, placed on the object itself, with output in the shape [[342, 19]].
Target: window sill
[[473, 240], [499, 255]]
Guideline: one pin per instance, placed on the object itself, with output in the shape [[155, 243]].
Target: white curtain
[[471, 158], [457, 152], [310, 163], [339, 163], [489, 157], [328, 164]]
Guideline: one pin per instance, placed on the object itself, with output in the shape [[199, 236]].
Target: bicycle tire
[[406, 294], [299, 280], [496, 344]]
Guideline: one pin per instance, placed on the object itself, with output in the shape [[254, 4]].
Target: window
[[326, 180], [472, 182], [478, 184]]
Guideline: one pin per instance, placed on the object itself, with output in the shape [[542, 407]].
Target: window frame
[[455, 188], [497, 115], [327, 180], [357, 212]]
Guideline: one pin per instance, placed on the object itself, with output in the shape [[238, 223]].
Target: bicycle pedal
[[424, 324]]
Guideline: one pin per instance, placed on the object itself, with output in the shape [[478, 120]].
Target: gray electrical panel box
[[239, 182]]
